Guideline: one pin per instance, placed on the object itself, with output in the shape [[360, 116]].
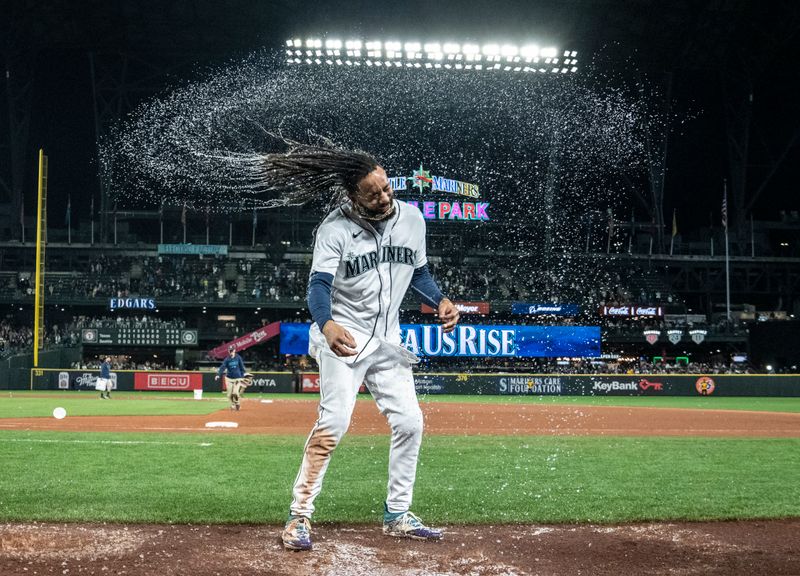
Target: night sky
[[168, 44]]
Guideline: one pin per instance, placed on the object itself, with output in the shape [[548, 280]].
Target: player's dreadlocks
[[307, 172]]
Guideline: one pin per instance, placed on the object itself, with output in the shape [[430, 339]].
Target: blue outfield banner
[[477, 340], [544, 309]]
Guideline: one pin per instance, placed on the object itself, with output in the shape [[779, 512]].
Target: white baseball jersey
[[371, 274]]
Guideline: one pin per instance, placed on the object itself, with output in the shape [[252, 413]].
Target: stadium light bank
[[529, 58]]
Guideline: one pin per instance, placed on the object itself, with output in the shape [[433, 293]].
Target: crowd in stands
[[14, 338], [580, 366], [210, 279], [223, 278]]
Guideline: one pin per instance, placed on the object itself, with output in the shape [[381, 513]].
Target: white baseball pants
[[388, 377]]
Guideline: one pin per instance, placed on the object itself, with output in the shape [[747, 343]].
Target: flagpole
[[752, 238], [207, 233], [69, 219], [254, 228], [727, 254], [672, 237], [91, 209]]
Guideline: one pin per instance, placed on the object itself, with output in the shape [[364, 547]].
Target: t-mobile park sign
[[630, 310]]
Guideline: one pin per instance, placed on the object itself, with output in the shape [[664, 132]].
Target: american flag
[[725, 210]]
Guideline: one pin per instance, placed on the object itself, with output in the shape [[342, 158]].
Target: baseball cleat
[[297, 534], [407, 525]]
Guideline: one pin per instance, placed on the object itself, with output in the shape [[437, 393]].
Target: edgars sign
[[132, 304]]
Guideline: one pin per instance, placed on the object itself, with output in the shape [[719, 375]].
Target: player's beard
[[372, 215]]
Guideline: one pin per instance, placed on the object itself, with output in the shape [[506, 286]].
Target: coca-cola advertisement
[[631, 310]]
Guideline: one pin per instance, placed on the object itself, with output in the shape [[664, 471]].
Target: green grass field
[[221, 478], [40, 403], [212, 478]]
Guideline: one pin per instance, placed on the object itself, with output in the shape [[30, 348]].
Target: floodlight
[[530, 52], [414, 54], [509, 51]]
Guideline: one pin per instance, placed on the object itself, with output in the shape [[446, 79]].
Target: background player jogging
[[367, 252], [235, 377]]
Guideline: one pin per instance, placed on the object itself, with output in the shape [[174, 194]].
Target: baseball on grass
[[59, 413]]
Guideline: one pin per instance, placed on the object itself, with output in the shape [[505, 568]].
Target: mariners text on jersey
[[357, 265]]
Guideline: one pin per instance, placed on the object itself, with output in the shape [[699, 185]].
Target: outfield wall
[[176, 381], [475, 384]]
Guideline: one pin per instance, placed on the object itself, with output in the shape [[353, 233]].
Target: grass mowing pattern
[[54, 476]]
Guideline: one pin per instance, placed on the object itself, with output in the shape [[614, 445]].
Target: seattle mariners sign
[[422, 180]]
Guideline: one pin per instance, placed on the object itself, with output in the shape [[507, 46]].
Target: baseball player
[[367, 252], [236, 377], [104, 381]]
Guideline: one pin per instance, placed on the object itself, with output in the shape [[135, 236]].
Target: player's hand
[[340, 341], [448, 315], [216, 377]]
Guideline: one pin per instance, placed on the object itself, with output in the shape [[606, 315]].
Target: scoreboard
[[139, 336]]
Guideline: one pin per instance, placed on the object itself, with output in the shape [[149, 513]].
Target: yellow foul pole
[[41, 241]]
